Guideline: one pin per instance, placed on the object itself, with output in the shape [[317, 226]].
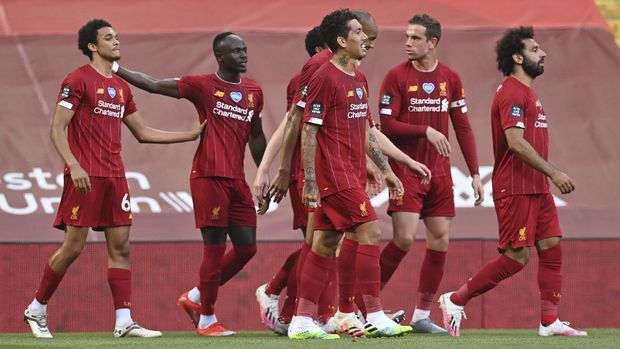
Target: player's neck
[[523, 77], [344, 63], [427, 64], [102, 66], [228, 76]]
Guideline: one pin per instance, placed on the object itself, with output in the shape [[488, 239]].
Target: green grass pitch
[[475, 339]]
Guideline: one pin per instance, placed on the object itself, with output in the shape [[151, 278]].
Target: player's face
[[417, 44], [234, 54], [371, 31], [355, 45], [108, 46], [533, 58]]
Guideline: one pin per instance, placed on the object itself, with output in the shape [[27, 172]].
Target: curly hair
[[432, 25], [334, 25], [88, 35], [314, 39], [510, 44]]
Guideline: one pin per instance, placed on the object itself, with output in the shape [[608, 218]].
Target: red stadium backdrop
[[168, 39]]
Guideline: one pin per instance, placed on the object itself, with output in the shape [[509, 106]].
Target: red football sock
[[486, 279], [120, 284], [550, 283], [313, 279], [430, 277], [369, 276], [48, 284], [210, 276], [347, 275], [235, 260], [305, 249], [280, 280], [391, 256], [288, 309], [327, 301]]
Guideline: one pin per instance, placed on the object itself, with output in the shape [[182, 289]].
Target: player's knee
[[404, 242], [521, 255]]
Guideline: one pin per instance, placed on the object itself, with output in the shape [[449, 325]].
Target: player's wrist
[[115, 67]]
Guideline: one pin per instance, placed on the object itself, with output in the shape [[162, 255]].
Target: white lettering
[[31, 205], [48, 204], [38, 174], [16, 181], [152, 204], [143, 182]]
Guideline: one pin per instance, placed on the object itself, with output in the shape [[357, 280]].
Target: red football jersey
[[94, 133], [291, 89], [426, 99], [338, 102], [312, 64], [516, 105], [228, 109]]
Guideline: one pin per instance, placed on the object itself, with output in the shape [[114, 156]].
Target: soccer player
[[526, 213], [267, 295], [418, 98], [86, 132], [223, 204], [335, 140]]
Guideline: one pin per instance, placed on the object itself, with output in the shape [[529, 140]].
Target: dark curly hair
[[432, 25], [508, 45], [88, 35], [336, 24], [314, 39]]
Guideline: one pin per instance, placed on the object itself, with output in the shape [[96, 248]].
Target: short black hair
[[217, 40], [88, 35], [510, 44], [314, 39], [432, 25], [336, 24]]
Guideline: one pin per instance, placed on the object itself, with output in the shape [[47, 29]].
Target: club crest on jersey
[[360, 92], [111, 92], [66, 92], [236, 96], [522, 236], [251, 100], [363, 209], [215, 213], [74, 212], [428, 87], [442, 89]]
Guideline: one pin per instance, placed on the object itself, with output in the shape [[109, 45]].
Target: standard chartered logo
[[420, 105], [359, 110]]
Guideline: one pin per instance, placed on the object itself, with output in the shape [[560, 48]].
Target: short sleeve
[[130, 105], [319, 99], [190, 87], [511, 110], [390, 98], [71, 92]]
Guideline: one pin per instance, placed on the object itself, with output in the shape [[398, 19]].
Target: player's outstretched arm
[[260, 185], [166, 87], [392, 151], [524, 151], [146, 134], [310, 197], [60, 121], [373, 150], [280, 183]]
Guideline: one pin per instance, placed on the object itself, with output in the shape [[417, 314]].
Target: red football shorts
[[435, 199], [106, 205], [524, 219], [300, 212], [343, 211], [222, 202]]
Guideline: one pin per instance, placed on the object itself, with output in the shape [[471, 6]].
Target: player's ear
[[517, 58], [92, 47], [342, 41]]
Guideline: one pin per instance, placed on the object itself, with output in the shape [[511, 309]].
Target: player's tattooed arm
[[375, 153], [308, 143], [166, 87]]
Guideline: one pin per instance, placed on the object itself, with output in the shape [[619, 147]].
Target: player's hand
[[439, 141], [81, 180], [198, 129], [395, 186], [279, 186], [420, 170], [476, 184], [310, 196], [373, 183], [563, 182], [260, 186], [263, 205]]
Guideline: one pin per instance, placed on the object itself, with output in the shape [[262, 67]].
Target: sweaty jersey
[[338, 103], [228, 109], [423, 99], [516, 105], [94, 133]]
